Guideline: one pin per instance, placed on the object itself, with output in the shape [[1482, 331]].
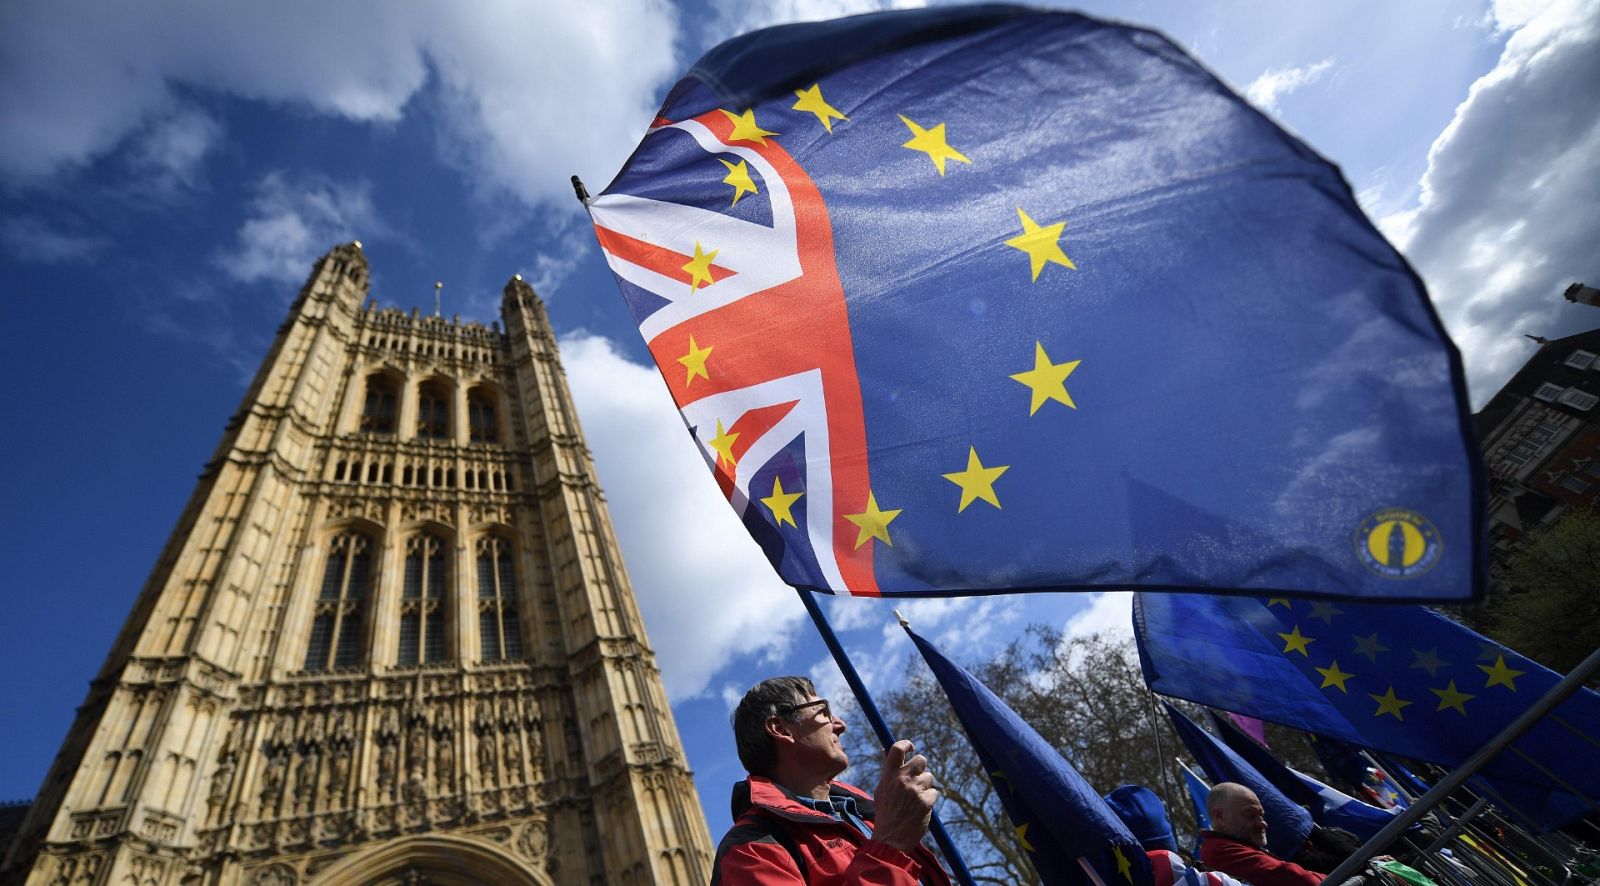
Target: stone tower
[[391, 639]]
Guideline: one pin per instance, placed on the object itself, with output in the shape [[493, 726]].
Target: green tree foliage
[[1552, 612]]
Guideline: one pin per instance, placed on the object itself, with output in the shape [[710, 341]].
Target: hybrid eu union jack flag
[[992, 299]]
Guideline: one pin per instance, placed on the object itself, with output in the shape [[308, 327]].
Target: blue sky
[[171, 170]]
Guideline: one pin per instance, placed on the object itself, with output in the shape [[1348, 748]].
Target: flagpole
[[1569, 684], [958, 865]]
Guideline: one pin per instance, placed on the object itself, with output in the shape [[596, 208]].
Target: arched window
[[346, 584], [498, 628], [422, 609], [481, 417], [433, 412], [378, 410]]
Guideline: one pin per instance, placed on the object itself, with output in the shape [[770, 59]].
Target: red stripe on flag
[[663, 261]]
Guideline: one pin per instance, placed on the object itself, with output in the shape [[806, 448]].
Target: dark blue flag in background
[[991, 299], [1328, 807], [1288, 824], [1401, 679], [1061, 821]]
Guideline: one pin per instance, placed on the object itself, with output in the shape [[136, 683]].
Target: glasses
[[821, 704]]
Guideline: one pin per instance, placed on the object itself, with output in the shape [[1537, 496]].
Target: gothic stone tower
[[390, 641]]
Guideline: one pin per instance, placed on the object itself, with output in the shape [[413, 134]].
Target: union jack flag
[[989, 299]]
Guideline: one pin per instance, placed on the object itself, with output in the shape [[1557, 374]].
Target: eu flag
[[1068, 831], [995, 299], [1401, 679]]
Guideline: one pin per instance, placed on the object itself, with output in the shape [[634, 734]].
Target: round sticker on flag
[[1398, 543]]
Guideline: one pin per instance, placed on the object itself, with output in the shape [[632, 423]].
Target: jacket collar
[[763, 793]]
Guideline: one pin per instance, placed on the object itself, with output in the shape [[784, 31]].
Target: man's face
[[1243, 819], [816, 738]]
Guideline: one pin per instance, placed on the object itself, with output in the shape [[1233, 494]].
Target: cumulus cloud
[[1509, 208], [292, 221], [531, 95], [734, 17], [1265, 90], [173, 146], [1109, 613], [706, 592]]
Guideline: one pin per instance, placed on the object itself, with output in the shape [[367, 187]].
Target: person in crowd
[[794, 824]]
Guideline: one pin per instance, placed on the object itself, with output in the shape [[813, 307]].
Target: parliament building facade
[[391, 639]]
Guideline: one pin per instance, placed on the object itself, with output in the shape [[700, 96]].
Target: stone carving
[[417, 748], [535, 841], [389, 722], [445, 763], [305, 778], [274, 875], [343, 730], [338, 773], [513, 752], [484, 720], [221, 784], [388, 762], [486, 758], [272, 782]]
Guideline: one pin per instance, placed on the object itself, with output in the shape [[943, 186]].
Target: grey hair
[[765, 699]]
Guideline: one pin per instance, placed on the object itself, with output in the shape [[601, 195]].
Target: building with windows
[[391, 639], [1541, 441]]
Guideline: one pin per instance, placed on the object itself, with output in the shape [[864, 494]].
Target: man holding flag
[[794, 824], [1236, 844]]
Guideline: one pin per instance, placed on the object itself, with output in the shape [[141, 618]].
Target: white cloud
[[530, 94], [707, 593], [173, 145], [291, 223], [1506, 215], [1109, 613], [31, 239], [1265, 90], [733, 17]]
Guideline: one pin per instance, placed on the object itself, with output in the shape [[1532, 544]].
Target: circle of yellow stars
[[1041, 243], [1389, 703]]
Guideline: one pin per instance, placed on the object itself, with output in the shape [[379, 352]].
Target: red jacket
[[1252, 864], [774, 835]]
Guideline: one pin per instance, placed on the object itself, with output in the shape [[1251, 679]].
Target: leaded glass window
[[433, 412], [336, 623], [481, 417], [499, 630], [422, 603], [378, 411]]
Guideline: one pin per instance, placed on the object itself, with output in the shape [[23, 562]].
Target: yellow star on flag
[[1429, 661], [1325, 611], [695, 362], [1295, 642], [1022, 838], [1124, 867], [699, 267], [1043, 245], [723, 444], [745, 128], [811, 101], [976, 481], [932, 143], [1370, 647], [1332, 676], [739, 177], [1500, 675], [1280, 601], [779, 502], [872, 522], [1388, 704], [1047, 380], [1449, 697]]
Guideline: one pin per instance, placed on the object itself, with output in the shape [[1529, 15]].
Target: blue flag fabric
[[1061, 821], [1329, 807], [1199, 797], [1401, 679], [994, 299], [1288, 824]]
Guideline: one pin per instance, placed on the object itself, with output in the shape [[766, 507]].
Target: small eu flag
[[988, 298], [1401, 679], [1068, 831]]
